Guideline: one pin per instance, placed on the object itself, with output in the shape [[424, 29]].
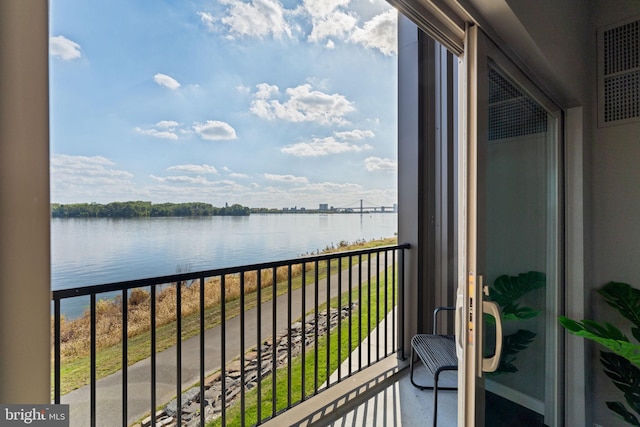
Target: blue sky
[[265, 103]]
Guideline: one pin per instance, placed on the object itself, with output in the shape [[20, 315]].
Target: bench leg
[[435, 399], [421, 387]]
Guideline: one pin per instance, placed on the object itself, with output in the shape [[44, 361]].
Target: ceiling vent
[[619, 73]]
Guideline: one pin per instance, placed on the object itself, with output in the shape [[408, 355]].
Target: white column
[[24, 203]]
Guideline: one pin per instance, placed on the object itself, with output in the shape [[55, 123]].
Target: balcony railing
[[273, 305]]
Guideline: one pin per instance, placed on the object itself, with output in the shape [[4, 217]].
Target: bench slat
[[436, 351]]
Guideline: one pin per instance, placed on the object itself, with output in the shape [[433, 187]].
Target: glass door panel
[[513, 242]]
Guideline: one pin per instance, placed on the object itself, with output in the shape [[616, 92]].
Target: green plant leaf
[[507, 289], [623, 298], [608, 336], [512, 344], [604, 331], [619, 409], [634, 404], [516, 342], [624, 375], [519, 313]]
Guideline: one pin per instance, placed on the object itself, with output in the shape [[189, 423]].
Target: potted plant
[[622, 362]]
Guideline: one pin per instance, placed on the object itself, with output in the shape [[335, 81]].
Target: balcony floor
[[399, 403], [381, 395]]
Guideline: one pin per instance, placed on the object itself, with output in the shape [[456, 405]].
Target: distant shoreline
[[140, 209]]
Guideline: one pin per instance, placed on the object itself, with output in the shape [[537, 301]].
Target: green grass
[[75, 372], [360, 318]]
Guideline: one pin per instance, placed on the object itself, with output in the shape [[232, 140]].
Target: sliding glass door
[[511, 259]]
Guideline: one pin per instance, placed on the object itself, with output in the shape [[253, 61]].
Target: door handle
[[490, 364], [460, 327]]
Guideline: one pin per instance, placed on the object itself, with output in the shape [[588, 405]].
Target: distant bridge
[[361, 207]]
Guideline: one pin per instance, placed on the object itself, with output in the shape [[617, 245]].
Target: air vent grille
[[621, 48], [621, 97], [619, 73], [511, 112]]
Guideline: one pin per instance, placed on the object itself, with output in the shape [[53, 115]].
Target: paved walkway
[[109, 389]]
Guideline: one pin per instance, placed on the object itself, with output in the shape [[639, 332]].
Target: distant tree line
[[143, 209]]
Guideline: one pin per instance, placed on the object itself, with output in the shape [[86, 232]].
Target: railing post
[[304, 329], [401, 306], [259, 341], [179, 352], [242, 351], [56, 351], [289, 303], [274, 345], [202, 368], [223, 349], [125, 359], [153, 354], [93, 360]]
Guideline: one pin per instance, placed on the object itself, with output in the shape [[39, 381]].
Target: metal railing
[[363, 286]]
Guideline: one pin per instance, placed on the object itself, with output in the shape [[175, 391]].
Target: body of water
[[96, 251]]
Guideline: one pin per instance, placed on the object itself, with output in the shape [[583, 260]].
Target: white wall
[[24, 203]]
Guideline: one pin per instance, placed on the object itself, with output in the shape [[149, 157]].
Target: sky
[[264, 103]]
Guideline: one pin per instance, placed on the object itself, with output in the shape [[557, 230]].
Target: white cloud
[[336, 144], [200, 169], [77, 179], [164, 129], [167, 124], [288, 179], [302, 105], [93, 166], [214, 130], [322, 147], [182, 179], [330, 44], [322, 8], [162, 134], [64, 48], [211, 130], [257, 18], [379, 33], [208, 20], [377, 164], [336, 24], [355, 134], [166, 81], [239, 175], [234, 174], [243, 89]]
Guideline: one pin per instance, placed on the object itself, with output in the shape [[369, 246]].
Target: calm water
[[96, 251]]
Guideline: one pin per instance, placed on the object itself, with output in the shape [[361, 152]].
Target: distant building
[[324, 207]]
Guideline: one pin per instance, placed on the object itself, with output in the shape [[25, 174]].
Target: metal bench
[[438, 354]]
